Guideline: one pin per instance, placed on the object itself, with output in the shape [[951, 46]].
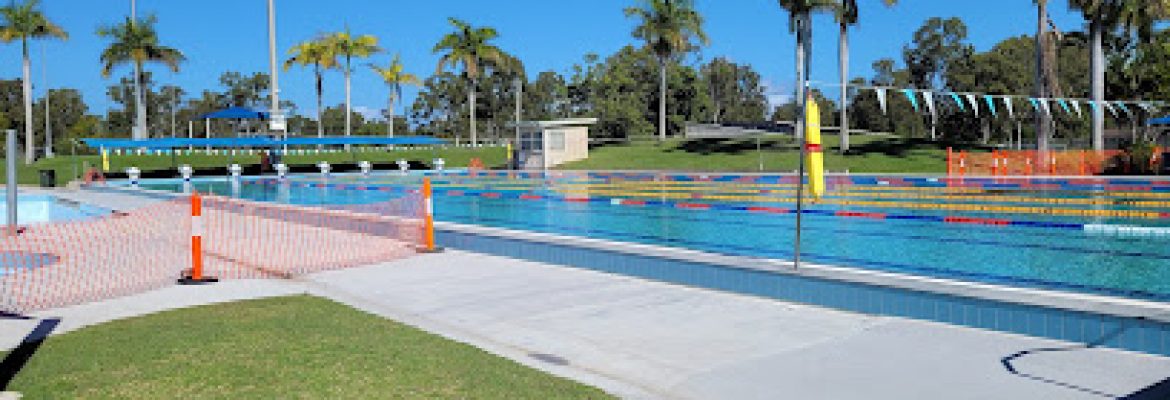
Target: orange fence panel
[[1029, 163], [63, 263]]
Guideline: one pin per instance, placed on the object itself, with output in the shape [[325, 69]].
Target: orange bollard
[[994, 163], [1052, 165], [962, 162], [428, 219], [1027, 163], [195, 277], [1007, 169]]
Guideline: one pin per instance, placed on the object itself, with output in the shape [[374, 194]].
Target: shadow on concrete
[[1009, 362], [1157, 391], [18, 357], [735, 146]]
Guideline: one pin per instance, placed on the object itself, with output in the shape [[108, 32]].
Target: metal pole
[[805, 33], [10, 184], [275, 87]]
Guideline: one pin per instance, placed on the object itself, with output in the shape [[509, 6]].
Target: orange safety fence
[[62, 263], [1029, 162], [57, 264]]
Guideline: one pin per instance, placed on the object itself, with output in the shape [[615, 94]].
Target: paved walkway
[[644, 339]]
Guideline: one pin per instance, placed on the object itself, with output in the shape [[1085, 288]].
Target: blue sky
[[220, 35]]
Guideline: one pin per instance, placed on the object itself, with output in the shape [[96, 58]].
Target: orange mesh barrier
[[56, 264], [1029, 163], [63, 263], [245, 239]]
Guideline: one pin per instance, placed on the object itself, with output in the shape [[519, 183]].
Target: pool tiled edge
[[1135, 325]]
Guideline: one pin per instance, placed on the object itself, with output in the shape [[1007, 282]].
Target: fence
[[57, 264], [1032, 163]]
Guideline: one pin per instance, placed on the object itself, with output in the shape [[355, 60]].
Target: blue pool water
[[1106, 237], [31, 209]]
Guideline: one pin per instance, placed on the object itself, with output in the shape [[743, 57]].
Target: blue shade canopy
[[235, 113], [171, 143], [1159, 121]]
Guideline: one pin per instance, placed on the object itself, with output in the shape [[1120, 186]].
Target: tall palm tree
[[350, 46], [668, 28], [847, 15], [319, 54], [136, 42], [800, 21], [466, 48], [1130, 15], [395, 77], [1043, 68], [23, 22]]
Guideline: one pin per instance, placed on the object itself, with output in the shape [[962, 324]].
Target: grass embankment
[[66, 166], [868, 154], [288, 347]]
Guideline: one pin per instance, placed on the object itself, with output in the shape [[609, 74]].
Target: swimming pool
[[38, 208], [1101, 236]]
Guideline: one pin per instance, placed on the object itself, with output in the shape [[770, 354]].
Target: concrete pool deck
[[645, 339]]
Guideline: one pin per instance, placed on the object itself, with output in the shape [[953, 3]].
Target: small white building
[[546, 144]]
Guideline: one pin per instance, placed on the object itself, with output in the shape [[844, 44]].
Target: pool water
[[1094, 236], [32, 209]]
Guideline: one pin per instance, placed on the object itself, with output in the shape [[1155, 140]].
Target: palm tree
[[319, 54], [350, 46], [800, 22], [466, 48], [667, 27], [136, 42], [23, 22], [1130, 15], [1047, 80], [394, 77], [847, 15]]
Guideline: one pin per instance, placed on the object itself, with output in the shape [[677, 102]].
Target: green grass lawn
[[279, 348], [876, 154], [67, 166]]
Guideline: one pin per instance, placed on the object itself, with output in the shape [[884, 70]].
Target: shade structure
[[259, 141], [1159, 121], [235, 113]]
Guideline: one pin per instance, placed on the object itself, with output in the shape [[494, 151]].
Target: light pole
[[277, 118]]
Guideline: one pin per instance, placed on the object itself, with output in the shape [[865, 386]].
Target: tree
[[336, 118], [136, 42], [68, 109], [395, 77], [735, 90], [466, 48], [668, 28], [937, 45], [800, 21], [349, 46], [547, 97], [23, 22], [846, 15], [321, 56], [1129, 15], [245, 90]]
